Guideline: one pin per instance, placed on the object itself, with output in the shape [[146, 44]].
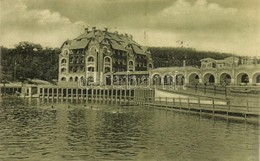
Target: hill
[[169, 56]]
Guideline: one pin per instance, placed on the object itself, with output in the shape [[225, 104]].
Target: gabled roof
[[115, 40], [116, 45], [138, 49], [79, 44], [208, 59]]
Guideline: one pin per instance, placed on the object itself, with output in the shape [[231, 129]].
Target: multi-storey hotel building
[[101, 56]]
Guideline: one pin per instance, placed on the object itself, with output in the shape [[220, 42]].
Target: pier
[[205, 105], [118, 96], [143, 97]]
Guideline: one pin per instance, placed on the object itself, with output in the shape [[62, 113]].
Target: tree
[[28, 60]]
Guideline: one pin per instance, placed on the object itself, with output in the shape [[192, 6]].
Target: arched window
[[194, 79], [66, 52], [258, 78], [107, 69], [150, 66], [71, 79], [76, 79], [91, 69], [93, 49], [107, 60], [131, 63], [91, 59], [63, 79], [63, 70], [105, 49], [63, 61]]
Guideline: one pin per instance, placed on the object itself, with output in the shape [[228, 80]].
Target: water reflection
[[34, 130]]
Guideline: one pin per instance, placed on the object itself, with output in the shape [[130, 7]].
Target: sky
[[230, 26]]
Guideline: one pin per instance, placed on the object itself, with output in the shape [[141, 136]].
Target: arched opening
[[156, 79], [76, 79], [107, 60], [167, 79], [194, 79], [90, 80], [242, 78], [180, 79], [225, 79], [90, 69], [131, 63], [82, 81], [116, 80], [209, 78], [132, 80], [63, 70], [93, 49], [107, 69], [108, 80], [63, 79], [150, 66], [63, 61], [256, 78], [105, 49], [71, 79], [91, 59]]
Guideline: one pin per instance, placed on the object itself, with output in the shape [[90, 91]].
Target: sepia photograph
[[136, 80]]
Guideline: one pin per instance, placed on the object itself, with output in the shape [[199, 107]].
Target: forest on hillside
[[169, 56], [29, 60]]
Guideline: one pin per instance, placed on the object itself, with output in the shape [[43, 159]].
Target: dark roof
[[79, 44], [115, 40]]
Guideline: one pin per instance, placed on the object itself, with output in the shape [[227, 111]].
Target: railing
[[211, 90], [203, 104]]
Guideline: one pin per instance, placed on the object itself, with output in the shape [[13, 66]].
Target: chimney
[[126, 35], [86, 30], [105, 29], [93, 28], [131, 36]]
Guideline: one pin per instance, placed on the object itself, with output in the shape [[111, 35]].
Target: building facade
[[101, 56], [229, 71]]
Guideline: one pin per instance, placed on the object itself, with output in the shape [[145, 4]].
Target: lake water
[[37, 132]]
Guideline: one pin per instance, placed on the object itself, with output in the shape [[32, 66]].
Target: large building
[[102, 56], [229, 71]]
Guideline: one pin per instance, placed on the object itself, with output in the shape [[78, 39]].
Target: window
[[76, 79], [63, 61], [131, 63], [63, 79], [91, 69], [107, 69], [107, 59], [91, 59], [63, 70], [66, 52]]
